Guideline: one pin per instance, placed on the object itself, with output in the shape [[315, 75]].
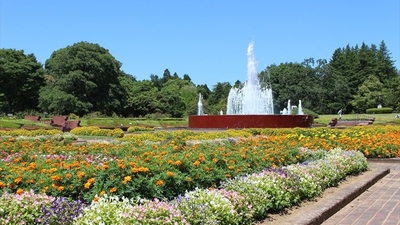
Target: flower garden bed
[[283, 165]]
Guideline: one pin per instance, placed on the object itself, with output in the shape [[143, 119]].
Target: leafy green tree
[[143, 99], [392, 94], [294, 81], [218, 98], [170, 99], [85, 79], [127, 82], [21, 77], [369, 95]]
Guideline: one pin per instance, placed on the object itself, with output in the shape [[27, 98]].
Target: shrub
[[386, 110], [139, 129]]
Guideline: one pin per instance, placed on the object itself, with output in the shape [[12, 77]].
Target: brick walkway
[[380, 204]]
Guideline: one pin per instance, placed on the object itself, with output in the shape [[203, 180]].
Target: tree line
[[85, 78]]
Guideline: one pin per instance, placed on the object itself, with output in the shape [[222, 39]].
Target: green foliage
[[385, 110], [21, 77], [85, 78], [23, 208], [139, 129], [96, 131], [82, 78], [368, 94]]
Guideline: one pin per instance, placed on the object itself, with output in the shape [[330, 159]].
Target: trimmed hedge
[[96, 131], [386, 110]]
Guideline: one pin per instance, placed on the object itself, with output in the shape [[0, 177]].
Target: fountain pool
[[250, 107]]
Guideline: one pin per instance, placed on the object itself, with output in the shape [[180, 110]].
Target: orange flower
[[61, 188], [55, 177], [176, 147], [114, 189], [135, 170], [87, 185], [178, 162], [2, 185], [81, 174], [20, 191], [231, 167], [95, 199], [91, 180], [170, 162], [170, 174], [68, 175], [196, 163], [159, 182], [102, 193], [143, 169], [18, 180], [104, 167], [188, 179]]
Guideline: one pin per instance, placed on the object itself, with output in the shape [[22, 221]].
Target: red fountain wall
[[250, 121]]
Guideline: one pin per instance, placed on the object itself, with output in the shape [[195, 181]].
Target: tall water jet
[[300, 109], [289, 108], [252, 98], [200, 106]]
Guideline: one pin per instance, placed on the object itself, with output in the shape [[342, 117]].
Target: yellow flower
[[87, 185]]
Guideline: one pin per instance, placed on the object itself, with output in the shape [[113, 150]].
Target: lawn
[[379, 118]]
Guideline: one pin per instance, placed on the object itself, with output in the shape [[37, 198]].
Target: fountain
[[252, 99], [200, 106], [300, 109], [250, 107]]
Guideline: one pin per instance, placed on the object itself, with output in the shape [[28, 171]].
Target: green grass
[[6, 123], [379, 118], [116, 122]]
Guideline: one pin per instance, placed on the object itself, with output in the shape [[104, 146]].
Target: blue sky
[[206, 39]]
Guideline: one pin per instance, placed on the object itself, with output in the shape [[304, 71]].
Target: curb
[[329, 206], [326, 207]]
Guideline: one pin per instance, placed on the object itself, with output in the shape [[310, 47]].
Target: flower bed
[[164, 165], [241, 200]]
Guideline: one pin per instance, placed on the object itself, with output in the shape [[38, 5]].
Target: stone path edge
[[327, 207]]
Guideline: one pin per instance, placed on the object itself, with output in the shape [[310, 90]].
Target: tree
[[218, 98], [87, 75], [369, 95], [21, 77], [142, 99], [294, 81]]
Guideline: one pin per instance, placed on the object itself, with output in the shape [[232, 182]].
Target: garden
[[177, 177]]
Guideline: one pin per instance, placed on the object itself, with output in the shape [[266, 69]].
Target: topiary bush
[[386, 110]]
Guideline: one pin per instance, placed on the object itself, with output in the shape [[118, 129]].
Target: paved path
[[380, 204]]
